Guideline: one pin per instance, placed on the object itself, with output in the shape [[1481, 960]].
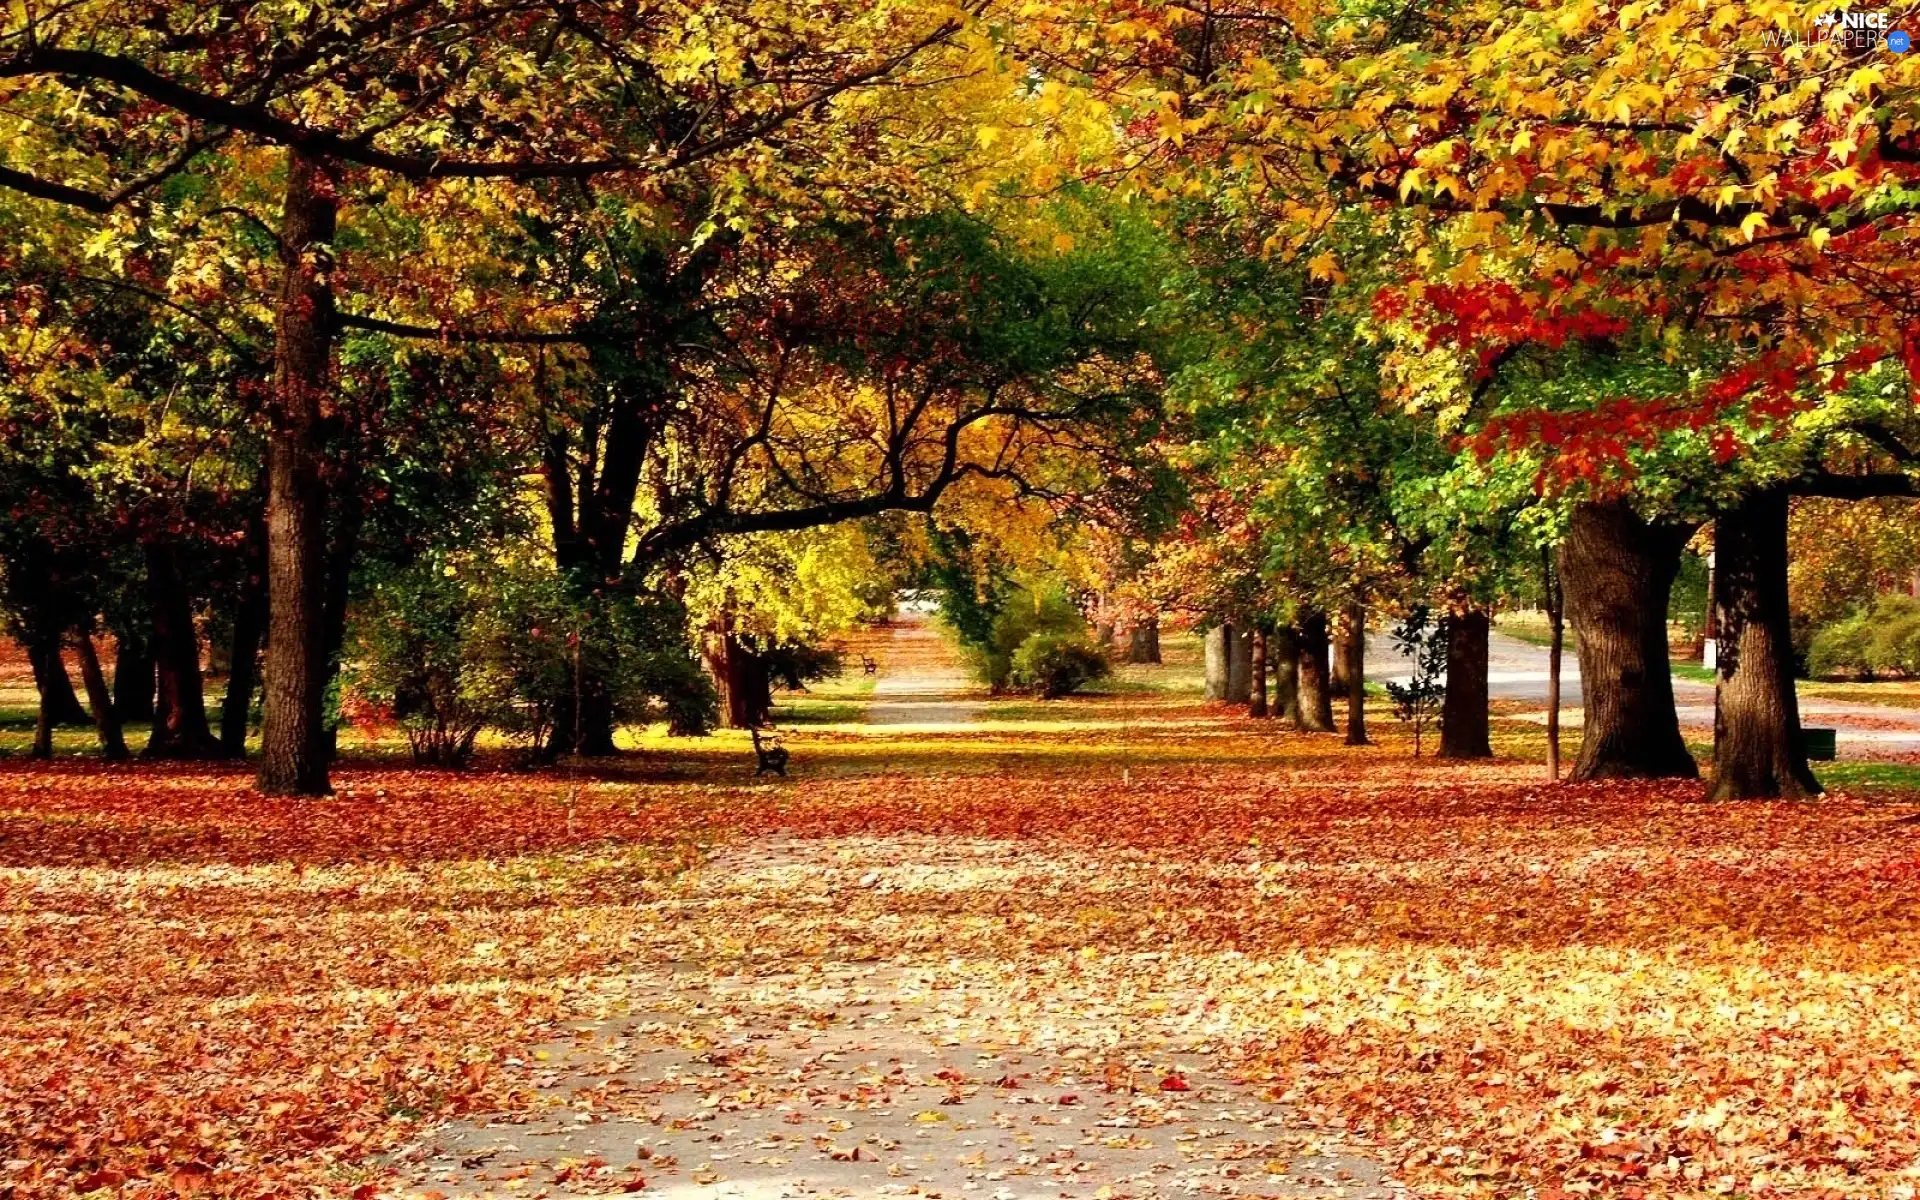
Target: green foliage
[[1022, 615], [1423, 640], [454, 644], [1057, 664], [1881, 640]]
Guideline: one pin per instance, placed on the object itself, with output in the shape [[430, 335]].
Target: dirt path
[[731, 1067], [922, 682]]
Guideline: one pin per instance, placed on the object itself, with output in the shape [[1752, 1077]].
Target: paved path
[[921, 682], [730, 1067], [1517, 670]]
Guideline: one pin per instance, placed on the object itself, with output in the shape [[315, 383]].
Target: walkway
[[922, 683]]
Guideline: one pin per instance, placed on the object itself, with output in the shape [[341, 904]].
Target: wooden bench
[[867, 665], [771, 754]]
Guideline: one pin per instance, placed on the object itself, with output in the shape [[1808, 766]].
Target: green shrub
[[1883, 639], [452, 645], [1022, 615], [1057, 664]]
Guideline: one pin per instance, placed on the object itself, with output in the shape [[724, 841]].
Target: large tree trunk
[[1257, 703], [1618, 572], [132, 677], [1757, 749], [106, 722], [1143, 640], [1463, 711], [741, 676], [236, 708], [180, 728], [1314, 677], [1219, 655], [1283, 662], [1355, 656], [58, 703], [1240, 666], [293, 736]]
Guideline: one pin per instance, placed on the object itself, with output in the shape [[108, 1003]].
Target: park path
[[782, 1035], [1517, 670], [832, 1018], [922, 682]]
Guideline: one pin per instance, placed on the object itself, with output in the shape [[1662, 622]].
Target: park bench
[[771, 754], [867, 665]]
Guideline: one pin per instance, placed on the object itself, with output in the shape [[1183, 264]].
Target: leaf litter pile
[[1492, 987]]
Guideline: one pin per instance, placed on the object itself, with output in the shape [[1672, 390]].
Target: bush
[[1881, 640], [1056, 664], [1022, 615], [454, 644]]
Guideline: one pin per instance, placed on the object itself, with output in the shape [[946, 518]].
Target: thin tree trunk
[[133, 682], [343, 546], [1337, 659], [1556, 623], [1758, 753], [42, 731], [106, 721], [1240, 666], [1314, 677], [1618, 571], [1143, 640], [57, 699], [293, 743], [180, 728], [1356, 664], [1219, 655], [1257, 704], [1463, 711], [236, 708], [1283, 662]]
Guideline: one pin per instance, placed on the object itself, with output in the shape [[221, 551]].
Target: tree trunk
[[1143, 640], [1219, 652], [58, 702], [1337, 660], [741, 676], [1618, 571], [1283, 662], [343, 546], [1314, 683], [1557, 625], [42, 731], [106, 722], [1257, 704], [1356, 663], [1240, 666], [1463, 711], [1758, 753], [236, 709], [132, 677], [180, 728], [293, 741]]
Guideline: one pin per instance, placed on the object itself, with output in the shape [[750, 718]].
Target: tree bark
[[1758, 753], [1618, 572], [1283, 662], [343, 547], [58, 703], [1219, 652], [293, 740], [1257, 703], [741, 675], [1355, 657], [1240, 666], [1337, 659], [106, 721], [1314, 677], [1463, 711], [1556, 602], [132, 677], [1143, 640], [236, 708], [180, 728]]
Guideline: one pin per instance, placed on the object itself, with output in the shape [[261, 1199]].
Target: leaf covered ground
[[1502, 988]]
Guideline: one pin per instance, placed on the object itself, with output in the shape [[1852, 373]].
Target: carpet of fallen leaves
[[1508, 989]]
